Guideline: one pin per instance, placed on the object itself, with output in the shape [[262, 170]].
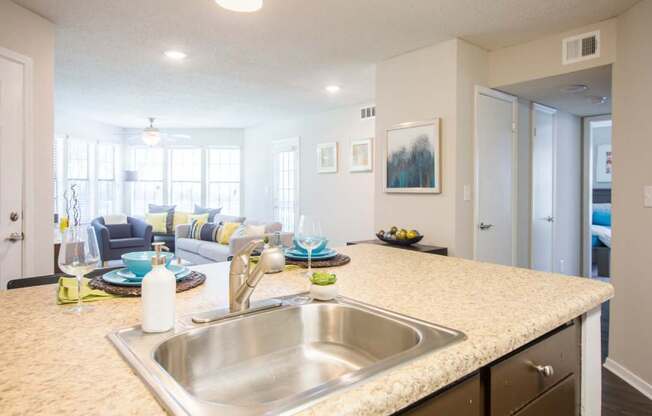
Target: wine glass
[[79, 255], [309, 236]]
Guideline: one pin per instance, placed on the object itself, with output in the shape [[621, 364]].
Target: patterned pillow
[[206, 231]]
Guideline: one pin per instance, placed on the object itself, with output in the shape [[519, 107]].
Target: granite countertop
[[56, 363]]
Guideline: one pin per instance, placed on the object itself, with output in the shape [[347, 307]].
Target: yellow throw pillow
[[226, 231], [200, 218], [181, 217], [157, 221]]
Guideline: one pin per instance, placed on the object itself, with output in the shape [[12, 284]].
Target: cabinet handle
[[545, 370]]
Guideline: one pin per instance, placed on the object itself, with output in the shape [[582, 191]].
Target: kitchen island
[[54, 363]]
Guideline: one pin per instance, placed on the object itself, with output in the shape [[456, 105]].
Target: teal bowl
[[140, 262], [322, 245]]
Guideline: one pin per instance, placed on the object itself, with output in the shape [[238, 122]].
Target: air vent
[[368, 112], [581, 47]]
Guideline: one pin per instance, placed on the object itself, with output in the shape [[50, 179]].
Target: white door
[[286, 182], [543, 188], [495, 177], [12, 109]]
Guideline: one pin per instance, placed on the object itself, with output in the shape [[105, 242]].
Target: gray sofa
[[202, 252]]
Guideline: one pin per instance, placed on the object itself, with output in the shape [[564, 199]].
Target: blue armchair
[[115, 240]]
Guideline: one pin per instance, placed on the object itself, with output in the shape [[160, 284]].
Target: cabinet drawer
[[516, 381], [463, 399], [558, 401]]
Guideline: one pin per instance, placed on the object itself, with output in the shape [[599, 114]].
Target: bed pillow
[[602, 214]]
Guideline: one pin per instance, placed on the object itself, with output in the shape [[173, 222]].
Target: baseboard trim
[[630, 378]]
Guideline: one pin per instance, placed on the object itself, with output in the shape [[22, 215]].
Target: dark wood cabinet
[[524, 376], [558, 401], [539, 379], [421, 248], [462, 399]]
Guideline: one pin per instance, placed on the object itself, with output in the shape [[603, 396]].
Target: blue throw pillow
[[212, 212], [602, 214]]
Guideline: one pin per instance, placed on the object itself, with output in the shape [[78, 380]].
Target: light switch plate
[[467, 192], [647, 192]]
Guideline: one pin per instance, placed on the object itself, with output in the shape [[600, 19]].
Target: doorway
[[495, 177], [286, 182], [13, 97], [544, 148]]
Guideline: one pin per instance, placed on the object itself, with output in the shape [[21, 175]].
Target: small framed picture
[[327, 157], [361, 156], [413, 163]]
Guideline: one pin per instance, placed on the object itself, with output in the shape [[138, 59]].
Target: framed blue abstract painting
[[413, 162]]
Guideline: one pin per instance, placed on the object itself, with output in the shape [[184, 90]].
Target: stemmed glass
[[309, 236], [79, 255]]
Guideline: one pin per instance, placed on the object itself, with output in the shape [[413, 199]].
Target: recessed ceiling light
[[574, 88], [244, 6], [176, 55], [332, 89]]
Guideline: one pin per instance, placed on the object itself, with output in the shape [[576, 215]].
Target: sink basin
[[276, 360]]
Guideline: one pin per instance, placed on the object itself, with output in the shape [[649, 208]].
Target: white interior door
[[543, 187], [12, 100], [286, 182], [495, 177]]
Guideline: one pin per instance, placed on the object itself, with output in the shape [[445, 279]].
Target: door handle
[[484, 226], [15, 237], [549, 218]]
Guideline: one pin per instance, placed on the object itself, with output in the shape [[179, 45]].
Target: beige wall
[[343, 201], [542, 58], [438, 81], [630, 334], [32, 36], [420, 85], [472, 70]]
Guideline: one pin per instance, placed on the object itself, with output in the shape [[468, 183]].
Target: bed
[[601, 230]]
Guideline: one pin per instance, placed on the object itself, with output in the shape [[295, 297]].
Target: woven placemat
[[339, 260], [194, 279]]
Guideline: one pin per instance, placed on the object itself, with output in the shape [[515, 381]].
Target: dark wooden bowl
[[407, 242]]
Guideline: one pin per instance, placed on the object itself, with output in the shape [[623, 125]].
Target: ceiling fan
[[152, 136]]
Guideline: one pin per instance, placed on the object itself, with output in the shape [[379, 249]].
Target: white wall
[[343, 200], [28, 34], [79, 128]]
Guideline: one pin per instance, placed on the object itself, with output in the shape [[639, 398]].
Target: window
[[286, 156], [149, 163], [106, 196], [185, 177], [224, 179], [78, 174]]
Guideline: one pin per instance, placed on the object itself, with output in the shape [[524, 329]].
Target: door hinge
[[535, 131], [513, 127]]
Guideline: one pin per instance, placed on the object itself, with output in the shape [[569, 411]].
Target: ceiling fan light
[[151, 136], [243, 6]]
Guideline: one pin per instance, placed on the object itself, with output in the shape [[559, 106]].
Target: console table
[[421, 248]]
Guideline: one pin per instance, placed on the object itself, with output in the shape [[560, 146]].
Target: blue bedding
[[601, 225]]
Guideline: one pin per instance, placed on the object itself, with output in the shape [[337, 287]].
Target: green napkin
[[67, 291], [288, 267]]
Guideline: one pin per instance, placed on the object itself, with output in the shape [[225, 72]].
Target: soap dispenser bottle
[[158, 293]]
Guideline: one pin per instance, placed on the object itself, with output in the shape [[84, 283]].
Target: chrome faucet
[[243, 280]]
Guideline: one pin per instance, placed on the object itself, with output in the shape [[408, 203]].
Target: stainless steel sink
[[276, 360]]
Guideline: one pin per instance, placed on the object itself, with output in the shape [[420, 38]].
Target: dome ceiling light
[[242, 6]]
